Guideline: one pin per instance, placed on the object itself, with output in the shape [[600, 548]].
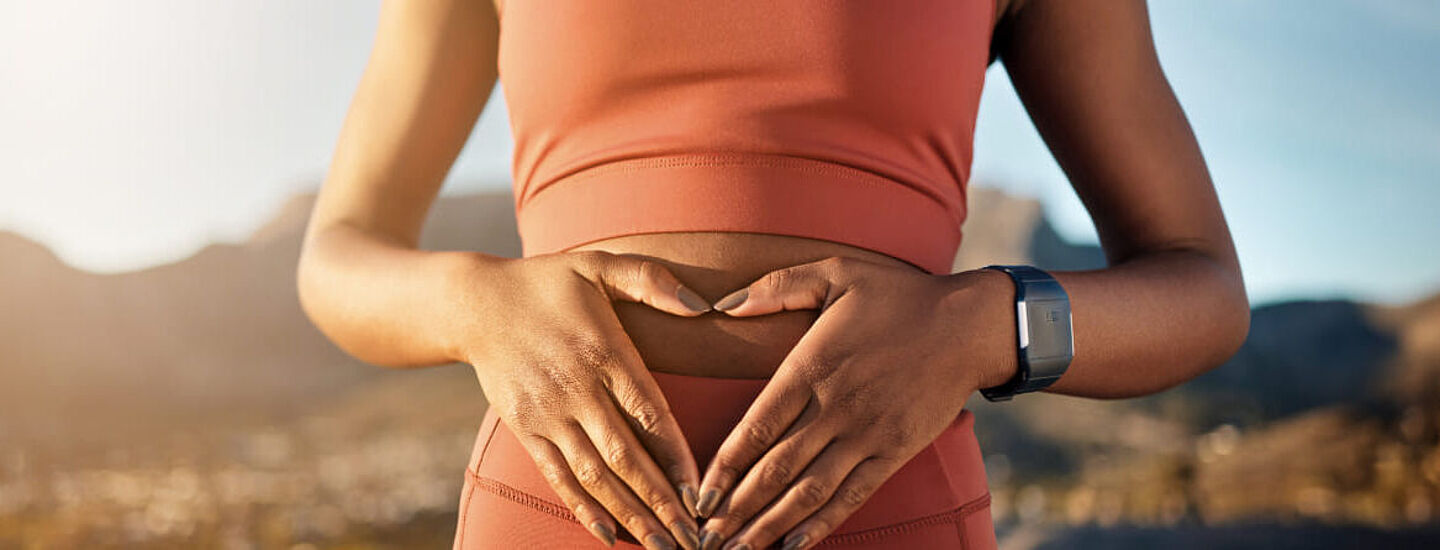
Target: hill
[[199, 378]]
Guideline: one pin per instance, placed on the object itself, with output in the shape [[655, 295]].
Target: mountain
[[219, 334], [206, 369], [87, 355]]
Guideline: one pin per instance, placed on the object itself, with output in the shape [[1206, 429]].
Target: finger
[[811, 490], [556, 469], [644, 406], [629, 460], [805, 286], [852, 493], [593, 474], [772, 413], [771, 475], [640, 280]]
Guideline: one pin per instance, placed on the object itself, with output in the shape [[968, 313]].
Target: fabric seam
[[521, 497], [470, 492], [701, 160], [949, 516], [464, 514]]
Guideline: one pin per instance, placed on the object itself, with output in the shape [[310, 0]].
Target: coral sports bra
[[839, 120]]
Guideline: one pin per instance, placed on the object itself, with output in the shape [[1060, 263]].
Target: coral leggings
[[939, 499]]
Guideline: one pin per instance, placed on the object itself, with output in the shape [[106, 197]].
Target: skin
[[562, 343]]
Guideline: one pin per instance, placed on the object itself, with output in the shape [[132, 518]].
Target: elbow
[[308, 293], [314, 286], [1235, 329], [1227, 308], [313, 300], [1231, 325]]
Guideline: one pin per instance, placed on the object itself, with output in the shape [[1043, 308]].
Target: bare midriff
[[714, 264]]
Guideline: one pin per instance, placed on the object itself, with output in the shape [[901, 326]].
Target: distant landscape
[[193, 405]]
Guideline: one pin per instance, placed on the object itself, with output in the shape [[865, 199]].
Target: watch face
[[1049, 329]]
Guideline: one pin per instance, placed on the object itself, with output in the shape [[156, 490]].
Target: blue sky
[[1321, 127], [134, 133]]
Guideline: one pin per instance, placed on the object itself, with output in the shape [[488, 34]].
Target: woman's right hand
[[555, 362]]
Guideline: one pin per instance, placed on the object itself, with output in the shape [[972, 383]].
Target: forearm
[[1140, 326], [385, 302]]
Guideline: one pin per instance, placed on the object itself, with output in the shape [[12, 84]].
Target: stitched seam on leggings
[[899, 528], [475, 468], [521, 497], [464, 513], [470, 492]]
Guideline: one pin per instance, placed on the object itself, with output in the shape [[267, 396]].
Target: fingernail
[[733, 299], [687, 495], [708, 500], [692, 300], [657, 540], [603, 532], [739, 546], [795, 541], [691, 538], [710, 541]]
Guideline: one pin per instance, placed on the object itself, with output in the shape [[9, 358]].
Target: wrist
[[983, 305], [470, 282]]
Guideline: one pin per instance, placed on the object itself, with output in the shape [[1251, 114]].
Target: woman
[[804, 165]]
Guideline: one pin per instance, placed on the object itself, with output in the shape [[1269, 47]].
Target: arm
[[844, 410], [430, 75], [540, 333], [1172, 304]]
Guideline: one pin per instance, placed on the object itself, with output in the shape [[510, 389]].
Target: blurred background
[[160, 387]]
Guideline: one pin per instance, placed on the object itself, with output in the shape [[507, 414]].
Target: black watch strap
[[1046, 343]]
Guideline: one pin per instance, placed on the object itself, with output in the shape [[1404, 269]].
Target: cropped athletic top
[[848, 121]]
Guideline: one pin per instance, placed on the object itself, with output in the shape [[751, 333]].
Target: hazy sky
[[133, 133]]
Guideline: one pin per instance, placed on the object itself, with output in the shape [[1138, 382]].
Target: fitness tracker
[[1042, 323]]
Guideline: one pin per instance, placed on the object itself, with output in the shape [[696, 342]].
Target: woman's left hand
[[885, 368]]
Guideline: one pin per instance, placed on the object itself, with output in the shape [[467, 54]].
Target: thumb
[[806, 286], [631, 279]]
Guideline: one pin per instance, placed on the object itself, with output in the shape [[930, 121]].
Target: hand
[[883, 370], [566, 379]]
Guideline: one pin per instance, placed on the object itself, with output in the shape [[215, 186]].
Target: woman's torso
[[714, 264]]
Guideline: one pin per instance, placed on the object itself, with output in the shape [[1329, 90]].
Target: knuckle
[[635, 523], [780, 278], [815, 368], [591, 350], [621, 458], [566, 383], [852, 400], [647, 417], [662, 506], [590, 475], [593, 258], [759, 433], [812, 494], [854, 496], [775, 473], [898, 434], [819, 527], [517, 412], [650, 270], [552, 473], [526, 414], [846, 264]]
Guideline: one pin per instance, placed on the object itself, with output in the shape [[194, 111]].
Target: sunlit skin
[[869, 357]]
